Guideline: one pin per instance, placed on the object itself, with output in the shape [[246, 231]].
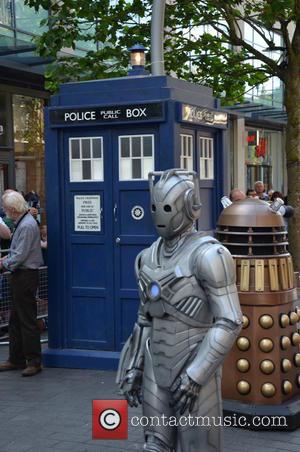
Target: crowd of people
[[24, 241], [271, 196]]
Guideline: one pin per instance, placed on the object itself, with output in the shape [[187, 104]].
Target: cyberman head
[[175, 201]]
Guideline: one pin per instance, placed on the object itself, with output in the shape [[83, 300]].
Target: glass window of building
[[6, 13], [263, 154], [86, 159], [28, 20], [270, 92], [136, 156], [28, 123], [4, 133]]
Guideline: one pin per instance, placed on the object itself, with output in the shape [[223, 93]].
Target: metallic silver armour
[[188, 320]]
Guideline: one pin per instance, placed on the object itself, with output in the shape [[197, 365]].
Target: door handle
[[118, 240], [115, 212]]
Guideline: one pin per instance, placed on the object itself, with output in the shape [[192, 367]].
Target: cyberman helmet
[[175, 201]]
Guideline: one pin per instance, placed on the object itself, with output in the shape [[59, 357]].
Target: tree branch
[[239, 41]]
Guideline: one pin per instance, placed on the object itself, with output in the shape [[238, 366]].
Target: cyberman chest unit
[[263, 368]]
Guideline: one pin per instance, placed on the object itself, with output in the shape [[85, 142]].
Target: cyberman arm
[[216, 273], [131, 364]]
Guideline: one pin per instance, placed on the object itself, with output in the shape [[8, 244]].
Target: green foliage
[[110, 28]]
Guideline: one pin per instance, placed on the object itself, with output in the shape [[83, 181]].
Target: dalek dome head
[[250, 212], [250, 227]]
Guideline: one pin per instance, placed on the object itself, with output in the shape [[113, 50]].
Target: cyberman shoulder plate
[[215, 265]]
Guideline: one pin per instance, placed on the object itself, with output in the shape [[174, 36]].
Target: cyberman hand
[[184, 392], [131, 386]]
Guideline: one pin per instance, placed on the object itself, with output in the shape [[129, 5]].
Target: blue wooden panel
[[205, 222], [89, 266], [89, 323], [128, 199]]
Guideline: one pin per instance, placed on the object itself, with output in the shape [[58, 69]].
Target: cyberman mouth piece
[[161, 225]]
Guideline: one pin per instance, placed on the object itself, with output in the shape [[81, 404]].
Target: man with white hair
[[23, 261], [259, 187]]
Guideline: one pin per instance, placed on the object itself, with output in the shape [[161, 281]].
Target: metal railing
[[5, 301]]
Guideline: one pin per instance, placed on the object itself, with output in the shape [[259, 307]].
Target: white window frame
[[142, 158], [206, 144], [91, 159], [184, 154]]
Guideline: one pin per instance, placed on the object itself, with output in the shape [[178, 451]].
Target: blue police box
[[102, 139]]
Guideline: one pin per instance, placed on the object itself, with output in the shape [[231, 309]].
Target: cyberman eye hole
[[167, 208], [153, 208]]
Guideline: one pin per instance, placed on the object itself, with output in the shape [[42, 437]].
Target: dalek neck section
[[256, 236]]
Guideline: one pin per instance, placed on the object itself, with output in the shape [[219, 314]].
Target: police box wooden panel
[[103, 138]]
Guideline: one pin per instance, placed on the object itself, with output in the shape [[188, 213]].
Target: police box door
[[198, 151], [136, 156], [108, 218]]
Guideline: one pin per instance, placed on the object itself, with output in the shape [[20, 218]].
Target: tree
[[223, 60]]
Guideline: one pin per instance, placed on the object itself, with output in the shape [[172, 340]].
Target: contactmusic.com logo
[[110, 419]]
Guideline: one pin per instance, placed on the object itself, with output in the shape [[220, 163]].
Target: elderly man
[[259, 187], [237, 195], [23, 261]]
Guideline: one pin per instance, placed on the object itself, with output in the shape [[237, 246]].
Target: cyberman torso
[[172, 297]]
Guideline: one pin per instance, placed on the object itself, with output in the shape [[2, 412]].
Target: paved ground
[[52, 412]]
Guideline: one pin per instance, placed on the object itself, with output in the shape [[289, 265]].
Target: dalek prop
[[261, 375]]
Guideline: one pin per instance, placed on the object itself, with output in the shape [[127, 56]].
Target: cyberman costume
[[188, 320]]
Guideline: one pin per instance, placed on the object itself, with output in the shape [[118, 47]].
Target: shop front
[[264, 158], [22, 141]]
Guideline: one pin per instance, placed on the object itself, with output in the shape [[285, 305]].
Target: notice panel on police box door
[[87, 213]]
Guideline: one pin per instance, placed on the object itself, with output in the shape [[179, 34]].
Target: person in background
[[270, 193], [5, 243], [237, 195], [44, 243], [23, 261], [250, 193], [260, 190], [286, 210]]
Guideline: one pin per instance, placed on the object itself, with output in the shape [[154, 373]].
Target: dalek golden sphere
[[296, 338], [287, 387], [297, 359], [246, 321], [293, 318], [284, 320], [267, 366], [297, 310], [243, 387], [243, 365], [266, 321], [286, 365], [298, 380], [266, 345], [268, 390], [243, 343], [285, 342]]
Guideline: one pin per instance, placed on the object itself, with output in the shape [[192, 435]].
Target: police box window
[[136, 156], [186, 152], [206, 149], [86, 159]]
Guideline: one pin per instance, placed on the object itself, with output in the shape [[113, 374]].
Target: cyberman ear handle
[[192, 196]]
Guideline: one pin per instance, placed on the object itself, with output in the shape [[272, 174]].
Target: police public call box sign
[[107, 114], [87, 213]]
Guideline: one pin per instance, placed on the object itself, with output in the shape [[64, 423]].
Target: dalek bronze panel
[[264, 364]]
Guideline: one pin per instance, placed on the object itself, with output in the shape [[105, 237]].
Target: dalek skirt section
[[263, 367]]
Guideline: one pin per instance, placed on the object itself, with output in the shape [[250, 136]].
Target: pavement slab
[[52, 411]]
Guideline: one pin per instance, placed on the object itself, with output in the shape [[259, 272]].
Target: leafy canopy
[[219, 56]]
